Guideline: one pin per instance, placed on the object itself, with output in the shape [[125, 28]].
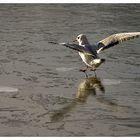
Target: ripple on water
[[64, 69], [8, 89], [111, 81]]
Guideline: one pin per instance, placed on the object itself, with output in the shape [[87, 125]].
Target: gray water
[[42, 92]]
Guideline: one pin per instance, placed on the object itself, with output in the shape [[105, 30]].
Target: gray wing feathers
[[79, 48], [71, 46], [116, 39], [75, 47]]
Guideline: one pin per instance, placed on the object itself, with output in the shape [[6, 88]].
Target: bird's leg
[[93, 69], [84, 70], [95, 73], [86, 74]]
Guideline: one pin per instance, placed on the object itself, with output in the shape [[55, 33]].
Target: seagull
[[90, 53]]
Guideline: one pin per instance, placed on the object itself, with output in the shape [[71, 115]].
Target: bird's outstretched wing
[[75, 47], [115, 39]]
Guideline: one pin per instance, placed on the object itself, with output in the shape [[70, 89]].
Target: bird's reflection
[[87, 86]]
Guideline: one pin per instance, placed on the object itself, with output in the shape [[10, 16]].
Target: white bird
[[89, 53]]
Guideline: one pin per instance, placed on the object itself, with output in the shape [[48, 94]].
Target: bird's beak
[[75, 40]]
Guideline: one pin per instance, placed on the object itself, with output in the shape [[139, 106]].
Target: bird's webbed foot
[[92, 69], [83, 69]]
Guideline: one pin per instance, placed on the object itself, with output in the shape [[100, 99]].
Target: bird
[[90, 53]]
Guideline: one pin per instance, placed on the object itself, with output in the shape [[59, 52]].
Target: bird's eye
[[78, 37]]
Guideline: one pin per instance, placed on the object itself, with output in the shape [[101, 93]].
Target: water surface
[[42, 93]]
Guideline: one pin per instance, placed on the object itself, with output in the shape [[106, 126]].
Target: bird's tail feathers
[[99, 61]]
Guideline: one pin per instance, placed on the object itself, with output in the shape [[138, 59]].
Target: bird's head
[[81, 39]]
